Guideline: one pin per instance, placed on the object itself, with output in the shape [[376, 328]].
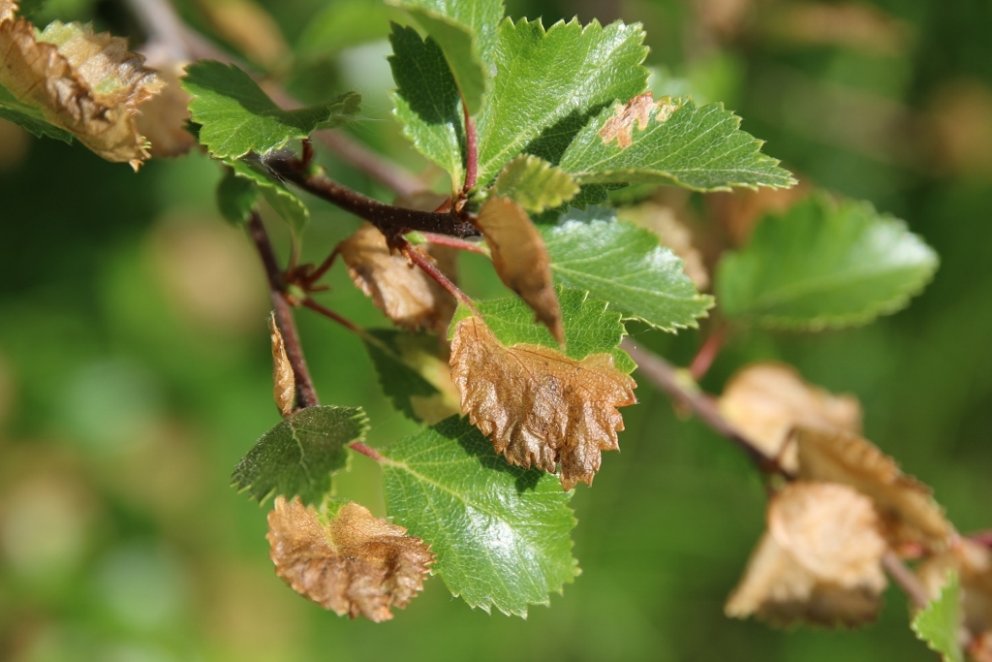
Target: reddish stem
[[331, 315], [454, 242], [367, 451], [707, 353], [319, 272], [471, 151], [428, 267]]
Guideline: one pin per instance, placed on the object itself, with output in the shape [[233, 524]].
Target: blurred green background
[[134, 361]]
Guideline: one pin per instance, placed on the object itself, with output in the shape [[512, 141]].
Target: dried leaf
[[639, 111], [766, 400], [520, 258], [405, 294], [819, 560], [163, 118], [283, 380], [972, 562], [906, 505], [537, 406], [84, 82], [356, 564]]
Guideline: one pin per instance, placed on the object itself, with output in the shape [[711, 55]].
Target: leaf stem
[[306, 394], [390, 220], [471, 151], [367, 451], [454, 242], [333, 316], [428, 267], [708, 352]]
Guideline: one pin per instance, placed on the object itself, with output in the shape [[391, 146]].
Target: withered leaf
[[639, 111], [537, 406], [520, 258], [163, 118], [283, 380], [819, 561], [405, 294], [355, 564], [905, 504], [766, 400], [87, 83]]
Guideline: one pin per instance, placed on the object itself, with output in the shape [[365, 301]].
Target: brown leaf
[[283, 380], [405, 294], [356, 564], [638, 110], [163, 117], [520, 258], [86, 83], [819, 560], [538, 406], [972, 562], [739, 211], [766, 400], [905, 505]]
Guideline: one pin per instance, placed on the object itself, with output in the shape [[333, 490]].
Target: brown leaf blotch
[[520, 259], [906, 505], [357, 564], [819, 561], [639, 111], [405, 294], [538, 406]]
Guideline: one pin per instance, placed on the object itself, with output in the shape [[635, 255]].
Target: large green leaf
[[466, 33], [426, 101], [625, 266], [298, 456], [237, 117], [671, 142], [824, 264], [591, 326], [29, 118], [939, 622], [546, 78], [501, 535], [535, 184]]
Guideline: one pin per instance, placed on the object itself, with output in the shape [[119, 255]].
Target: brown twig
[[333, 316], [427, 265], [906, 580], [306, 394]]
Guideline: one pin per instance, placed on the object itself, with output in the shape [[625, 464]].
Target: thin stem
[[454, 242], [367, 451], [390, 220], [333, 316], [907, 581], [471, 151], [306, 394], [707, 353], [428, 267], [328, 262]]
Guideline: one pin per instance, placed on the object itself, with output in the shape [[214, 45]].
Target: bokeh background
[[134, 365]]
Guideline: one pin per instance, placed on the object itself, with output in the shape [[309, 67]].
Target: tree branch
[[306, 394], [390, 220]]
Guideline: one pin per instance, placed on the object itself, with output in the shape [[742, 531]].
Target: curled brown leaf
[[283, 380], [405, 294], [538, 406], [906, 505], [163, 118], [520, 259], [819, 561], [357, 564], [87, 83], [766, 400]]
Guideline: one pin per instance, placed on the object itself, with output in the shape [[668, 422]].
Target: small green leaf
[[535, 184], [466, 34], [671, 141], [29, 118], [586, 248], [545, 78], [426, 101], [236, 198], [285, 203], [501, 535], [298, 456], [237, 117], [824, 265], [591, 326], [938, 623]]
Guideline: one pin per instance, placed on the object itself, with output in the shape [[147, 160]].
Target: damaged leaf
[[356, 564], [84, 82], [283, 379], [819, 561], [640, 111], [539, 407], [905, 505], [520, 259], [766, 400], [404, 293]]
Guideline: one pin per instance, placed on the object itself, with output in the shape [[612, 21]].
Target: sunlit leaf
[[939, 623], [535, 184]]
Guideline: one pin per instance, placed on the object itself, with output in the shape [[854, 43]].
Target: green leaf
[[938, 623], [535, 184], [237, 117], [426, 101], [29, 118], [466, 34], [550, 77], [679, 143], [298, 456], [586, 248], [343, 24], [285, 203], [591, 326], [236, 198], [824, 264], [400, 360], [501, 534]]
